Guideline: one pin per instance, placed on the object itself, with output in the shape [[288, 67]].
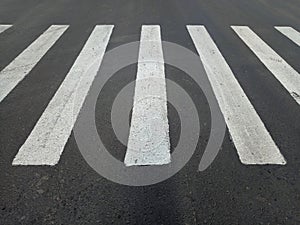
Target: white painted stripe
[[291, 33], [284, 73], [250, 137], [49, 136], [11, 75], [4, 27], [149, 142]]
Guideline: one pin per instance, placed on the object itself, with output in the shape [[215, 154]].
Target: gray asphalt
[[71, 192]]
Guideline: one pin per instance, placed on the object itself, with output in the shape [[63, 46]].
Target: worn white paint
[[250, 137], [149, 142], [16, 71], [284, 73], [46, 142]]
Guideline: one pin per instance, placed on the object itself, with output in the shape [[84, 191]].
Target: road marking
[[11, 75], [250, 137], [284, 73], [49, 136], [4, 27], [291, 33], [149, 142]]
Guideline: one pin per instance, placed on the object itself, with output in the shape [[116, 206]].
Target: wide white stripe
[[250, 137], [284, 73], [149, 142], [49, 136], [11, 75], [4, 27], [291, 33]]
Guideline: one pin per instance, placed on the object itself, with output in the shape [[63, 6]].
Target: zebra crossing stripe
[[149, 142], [4, 27], [284, 73], [16, 71], [46, 142], [291, 33], [250, 137]]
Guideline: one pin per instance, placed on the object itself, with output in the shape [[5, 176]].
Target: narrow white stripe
[[149, 142], [251, 139], [11, 75], [49, 136], [291, 33], [284, 73], [4, 27]]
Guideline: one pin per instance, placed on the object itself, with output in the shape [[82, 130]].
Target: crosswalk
[[49, 136], [284, 73], [16, 71], [252, 140]]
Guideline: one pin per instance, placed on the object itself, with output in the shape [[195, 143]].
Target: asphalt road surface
[[247, 51]]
